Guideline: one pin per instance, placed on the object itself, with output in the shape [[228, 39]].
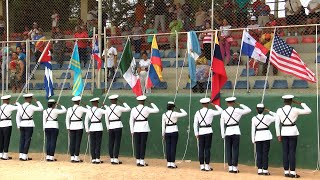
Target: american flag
[[96, 53], [287, 60]]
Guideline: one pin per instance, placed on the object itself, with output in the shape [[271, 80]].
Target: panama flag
[[127, 66], [155, 70], [46, 62], [194, 52], [252, 48], [96, 54]]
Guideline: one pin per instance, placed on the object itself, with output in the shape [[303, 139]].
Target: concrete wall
[[307, 143]]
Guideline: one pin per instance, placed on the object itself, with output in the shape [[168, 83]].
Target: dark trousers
[[289, 146], [83, 56], [5, 134], [137, 45], [114, 142], [232, 147], [171, 146], [110, 72], [75, 141], [25, 139], [51, 138], [95, 144], [262, 148], [204, 148], [140, 141], [207, 50]]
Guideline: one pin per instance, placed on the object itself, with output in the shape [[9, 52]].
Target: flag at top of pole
[[48, 81], [75, 66], [194, 52], [252, 48], [155, 70]]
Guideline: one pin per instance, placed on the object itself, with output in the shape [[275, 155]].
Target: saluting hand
[[296, 102], [35, 99], [266, 110]]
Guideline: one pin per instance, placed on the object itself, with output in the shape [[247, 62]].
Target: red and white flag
[[96, 53], [287, 60]]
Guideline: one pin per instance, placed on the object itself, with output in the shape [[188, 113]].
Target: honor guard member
[[25, 123], [114, 126], [6, 110], [139, 127], [51, 127], [170, 132], [261, 136], [230, 131], [95, 130], [287, 132], [203, 131], [75, 127]]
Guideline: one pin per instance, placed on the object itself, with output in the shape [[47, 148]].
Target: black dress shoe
[[230, 171], [210, 169], [237, 171], [114, 163], [286, 175], [202, 169], [267, 174], [138, 164], [29, 159], [72, 161], [9, 158], [260, 173], [294, 176], [20, 159]]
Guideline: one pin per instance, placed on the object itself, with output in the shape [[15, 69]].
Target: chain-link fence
[[31, 22]]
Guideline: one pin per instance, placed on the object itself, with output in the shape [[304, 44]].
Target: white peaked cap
[[260, 106], [27, 95], [5, 97], [205, 100], [171, 102], [115, 96], [288, 96], [141, 98], [253, 18], [51, 100], [95, 99], [230, 99], [76, 98]]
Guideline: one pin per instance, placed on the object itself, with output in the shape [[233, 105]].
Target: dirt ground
[[63, 169]]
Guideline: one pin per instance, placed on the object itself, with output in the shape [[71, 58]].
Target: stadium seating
[[161, 85], [87, 86], [299, 84], [136, 55], [55, 66], [166, 64], [127, 86], [55, 85], [63, 76], [318, 59], [242, 85], [117, 86], [308, 39], [251, 72], [227, 85], [66, 86], [88, 75], [259, 84], [187, 86], [292, 40], [180, 64], [171, 54], [65, 66], [280, 84], [39, 86]]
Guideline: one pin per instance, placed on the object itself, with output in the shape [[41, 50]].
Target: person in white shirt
[[139, 127], [51, 127], [25, 123], [230, 131], [55, 19], [203, 131], [143, 69], [170, 132], [288, 133], [6, 110], [95, 129], [112, 54], [261, 136], [75, 127], [114, 126]]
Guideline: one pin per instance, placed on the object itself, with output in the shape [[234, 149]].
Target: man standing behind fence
[[159, 11], [82, 44], [112, 56]]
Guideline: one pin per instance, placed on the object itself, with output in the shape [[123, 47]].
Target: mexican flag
[[128, 67]]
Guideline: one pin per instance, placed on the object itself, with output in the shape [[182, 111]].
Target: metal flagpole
[[92, 60], [27, 62], [7, 65], [248, 88], [106, 49], [317, 75], [177, 52], [239, 60], [99, 39], [2, 72]]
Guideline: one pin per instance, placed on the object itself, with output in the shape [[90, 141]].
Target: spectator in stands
[[159, 11], [55, 19], [143, 68], [228, 10], [23, 44], [92, 20], [32, 33], [151, 30], [59, 46], [140, 11], [263, 11], [217, 21], [187, 19], [202, 73], [26, 31], [242, 12], [225, 40], [174, 26], [266, 40], [254, 29], [125, 32], [180, 13], [2, 25], [255, 6], [112, 57], [113, 29], [80, 22], [40, 44], [293, 9], [235, 59], [16, 69], [272, 23], [22, 58], [137, 40], [314, 14], [82, 43], [200, 16], [171, 11], [206, 38]]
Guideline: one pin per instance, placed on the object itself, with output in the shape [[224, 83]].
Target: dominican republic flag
[[252, 48], [194, 52], [48, 81], [96, 54]]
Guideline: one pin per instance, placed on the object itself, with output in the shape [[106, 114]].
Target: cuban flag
[[253, 49], [96, 54], [48, 81]]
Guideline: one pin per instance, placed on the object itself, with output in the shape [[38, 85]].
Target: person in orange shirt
[[266, 40], [140, 11], [82, 44]]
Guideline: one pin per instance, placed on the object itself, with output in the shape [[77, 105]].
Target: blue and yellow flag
[[75, 66], [155, 72]]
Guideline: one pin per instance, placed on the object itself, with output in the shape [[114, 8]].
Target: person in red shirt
[[82, 44]]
